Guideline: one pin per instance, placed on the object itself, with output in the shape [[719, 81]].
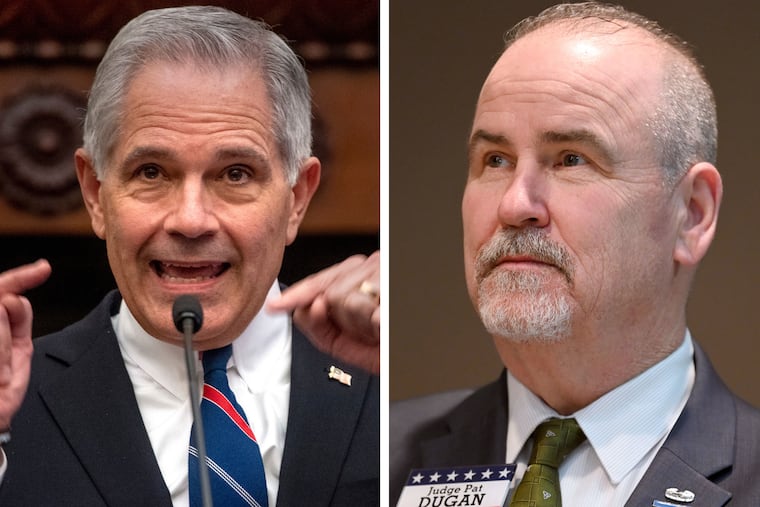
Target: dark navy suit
[[713, 450], [79, 440]]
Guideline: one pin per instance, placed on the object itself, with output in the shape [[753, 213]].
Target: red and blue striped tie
[[236, 470]]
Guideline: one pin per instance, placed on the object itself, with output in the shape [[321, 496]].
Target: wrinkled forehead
[[607, 84]]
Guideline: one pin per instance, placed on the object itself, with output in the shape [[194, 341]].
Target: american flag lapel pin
[[341, 376]]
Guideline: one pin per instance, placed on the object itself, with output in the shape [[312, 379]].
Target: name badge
[[484, 486]]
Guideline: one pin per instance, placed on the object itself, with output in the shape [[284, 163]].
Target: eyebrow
[[578, 136], [480, 136], [225, 153], [143, 152], [240, 152]]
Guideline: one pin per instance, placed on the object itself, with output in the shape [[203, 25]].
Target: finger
[[315, 322], [323, 334], [23, 278], [321, 329], [19, 312], [353, 280], [15, 333], [351, 305], [364, 282], [353, 317], [301, 293], [304, 292], [5, 346]]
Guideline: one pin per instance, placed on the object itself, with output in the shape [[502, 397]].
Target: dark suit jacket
[[713, 450], [79, 440]]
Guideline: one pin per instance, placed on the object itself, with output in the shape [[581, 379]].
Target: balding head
[[683, 121]]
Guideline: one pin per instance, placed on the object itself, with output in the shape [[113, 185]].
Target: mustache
[[522, 242]]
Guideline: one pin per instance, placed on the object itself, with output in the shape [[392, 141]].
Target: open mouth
[[188, 272]]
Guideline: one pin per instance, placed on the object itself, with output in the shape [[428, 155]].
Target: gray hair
[[684, 125], [210, 36]]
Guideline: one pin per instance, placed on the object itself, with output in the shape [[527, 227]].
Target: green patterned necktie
[[553, 441]]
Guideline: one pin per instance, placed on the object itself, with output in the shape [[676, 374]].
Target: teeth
[[186, 280], [188, 273], [167, 265]]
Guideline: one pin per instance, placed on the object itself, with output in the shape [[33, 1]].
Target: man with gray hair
[[591, 197], [197, 171]]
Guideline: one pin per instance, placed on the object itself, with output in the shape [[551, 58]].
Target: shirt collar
[[623, 425], [264, 343]]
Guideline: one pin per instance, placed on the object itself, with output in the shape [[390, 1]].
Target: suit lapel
[[699, 447], [668, 471], [477, 431], [322, 417], [93, 403]]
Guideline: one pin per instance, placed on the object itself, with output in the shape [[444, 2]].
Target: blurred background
[[48, 54], [440, 54]]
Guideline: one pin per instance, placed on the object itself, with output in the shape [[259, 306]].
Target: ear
[[90, 186], [701, 190], [303, 190]]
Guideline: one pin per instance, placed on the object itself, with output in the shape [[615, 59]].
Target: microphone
[[188, 318], [187, 310]]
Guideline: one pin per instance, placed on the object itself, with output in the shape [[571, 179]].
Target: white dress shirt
[[259, 376], [625, 429]]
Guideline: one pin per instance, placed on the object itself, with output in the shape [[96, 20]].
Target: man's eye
[[573, 159], [496, 160], [237, 174], [149, 172]]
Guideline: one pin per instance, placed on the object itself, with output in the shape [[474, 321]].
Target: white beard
[[519, 307]]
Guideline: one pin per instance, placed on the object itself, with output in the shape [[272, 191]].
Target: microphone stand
[[200, 435]]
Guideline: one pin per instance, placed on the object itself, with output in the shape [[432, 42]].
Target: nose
[[524, 203], [192, 214]]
